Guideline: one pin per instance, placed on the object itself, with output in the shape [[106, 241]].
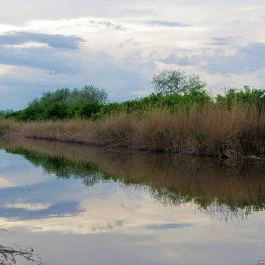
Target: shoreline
[[233, 157]]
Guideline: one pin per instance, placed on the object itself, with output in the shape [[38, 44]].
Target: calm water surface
[[77, 205]]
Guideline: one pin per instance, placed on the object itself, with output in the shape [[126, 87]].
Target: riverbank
[[212, 131]]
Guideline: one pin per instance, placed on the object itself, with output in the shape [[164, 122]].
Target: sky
[[119, 45]]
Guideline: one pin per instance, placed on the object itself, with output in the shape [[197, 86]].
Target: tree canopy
[[177, 82], [64, 103]]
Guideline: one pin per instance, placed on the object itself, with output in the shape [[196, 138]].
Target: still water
[[77, 205]]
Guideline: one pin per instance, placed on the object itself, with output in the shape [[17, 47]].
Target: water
[[79, 205]]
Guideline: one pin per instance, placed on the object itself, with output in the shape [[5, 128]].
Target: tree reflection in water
[[219, 189]]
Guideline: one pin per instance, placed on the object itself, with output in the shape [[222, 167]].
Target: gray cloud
[[163, 23], [107, 24], [221, 41], [55, 41], [248, 58], [42, 57], [52, 58], [175, 58]]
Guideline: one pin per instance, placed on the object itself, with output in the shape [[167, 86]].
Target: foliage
[[247, 97], [5, 113], [89, 109], [174, 102], [63, 104], [56, 111], [177, 82], [174, 91]]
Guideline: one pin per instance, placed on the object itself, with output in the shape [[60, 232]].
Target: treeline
[[62, 104], [173, 90]]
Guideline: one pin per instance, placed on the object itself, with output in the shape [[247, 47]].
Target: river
[[79, 205]]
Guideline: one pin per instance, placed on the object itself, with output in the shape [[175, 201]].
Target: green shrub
[[57, 111], [91, 103], [89, 109], [247, 97]]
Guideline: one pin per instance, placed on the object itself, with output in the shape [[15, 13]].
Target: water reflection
[[72, 202], [217, 188]]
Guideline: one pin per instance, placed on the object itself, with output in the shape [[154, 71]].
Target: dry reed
[[211, 131]]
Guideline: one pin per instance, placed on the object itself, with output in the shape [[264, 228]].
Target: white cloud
[[120, 45], [138, 212]]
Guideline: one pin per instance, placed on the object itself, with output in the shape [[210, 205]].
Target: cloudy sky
[[119, 45]]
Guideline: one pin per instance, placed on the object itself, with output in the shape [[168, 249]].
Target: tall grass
[[213, 130], [10, 128]]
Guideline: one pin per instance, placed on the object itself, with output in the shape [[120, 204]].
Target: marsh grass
[[213, 130]]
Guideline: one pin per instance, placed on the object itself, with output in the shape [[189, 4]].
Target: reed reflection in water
[[223, 190], [70, 202]]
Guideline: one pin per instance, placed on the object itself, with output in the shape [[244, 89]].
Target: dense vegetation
[[175, 91], [62, 104], [179, 118]]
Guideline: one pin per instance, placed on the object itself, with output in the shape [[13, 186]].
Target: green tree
[[56, 111], [90, 108], [92, 93], [177, 82], [63, 103]]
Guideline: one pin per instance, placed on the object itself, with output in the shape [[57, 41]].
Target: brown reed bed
[[211, 131]]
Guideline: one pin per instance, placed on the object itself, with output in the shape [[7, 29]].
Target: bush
[[89, 109], [57, 111], [246, 97], [174, 102], [61, 104]]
